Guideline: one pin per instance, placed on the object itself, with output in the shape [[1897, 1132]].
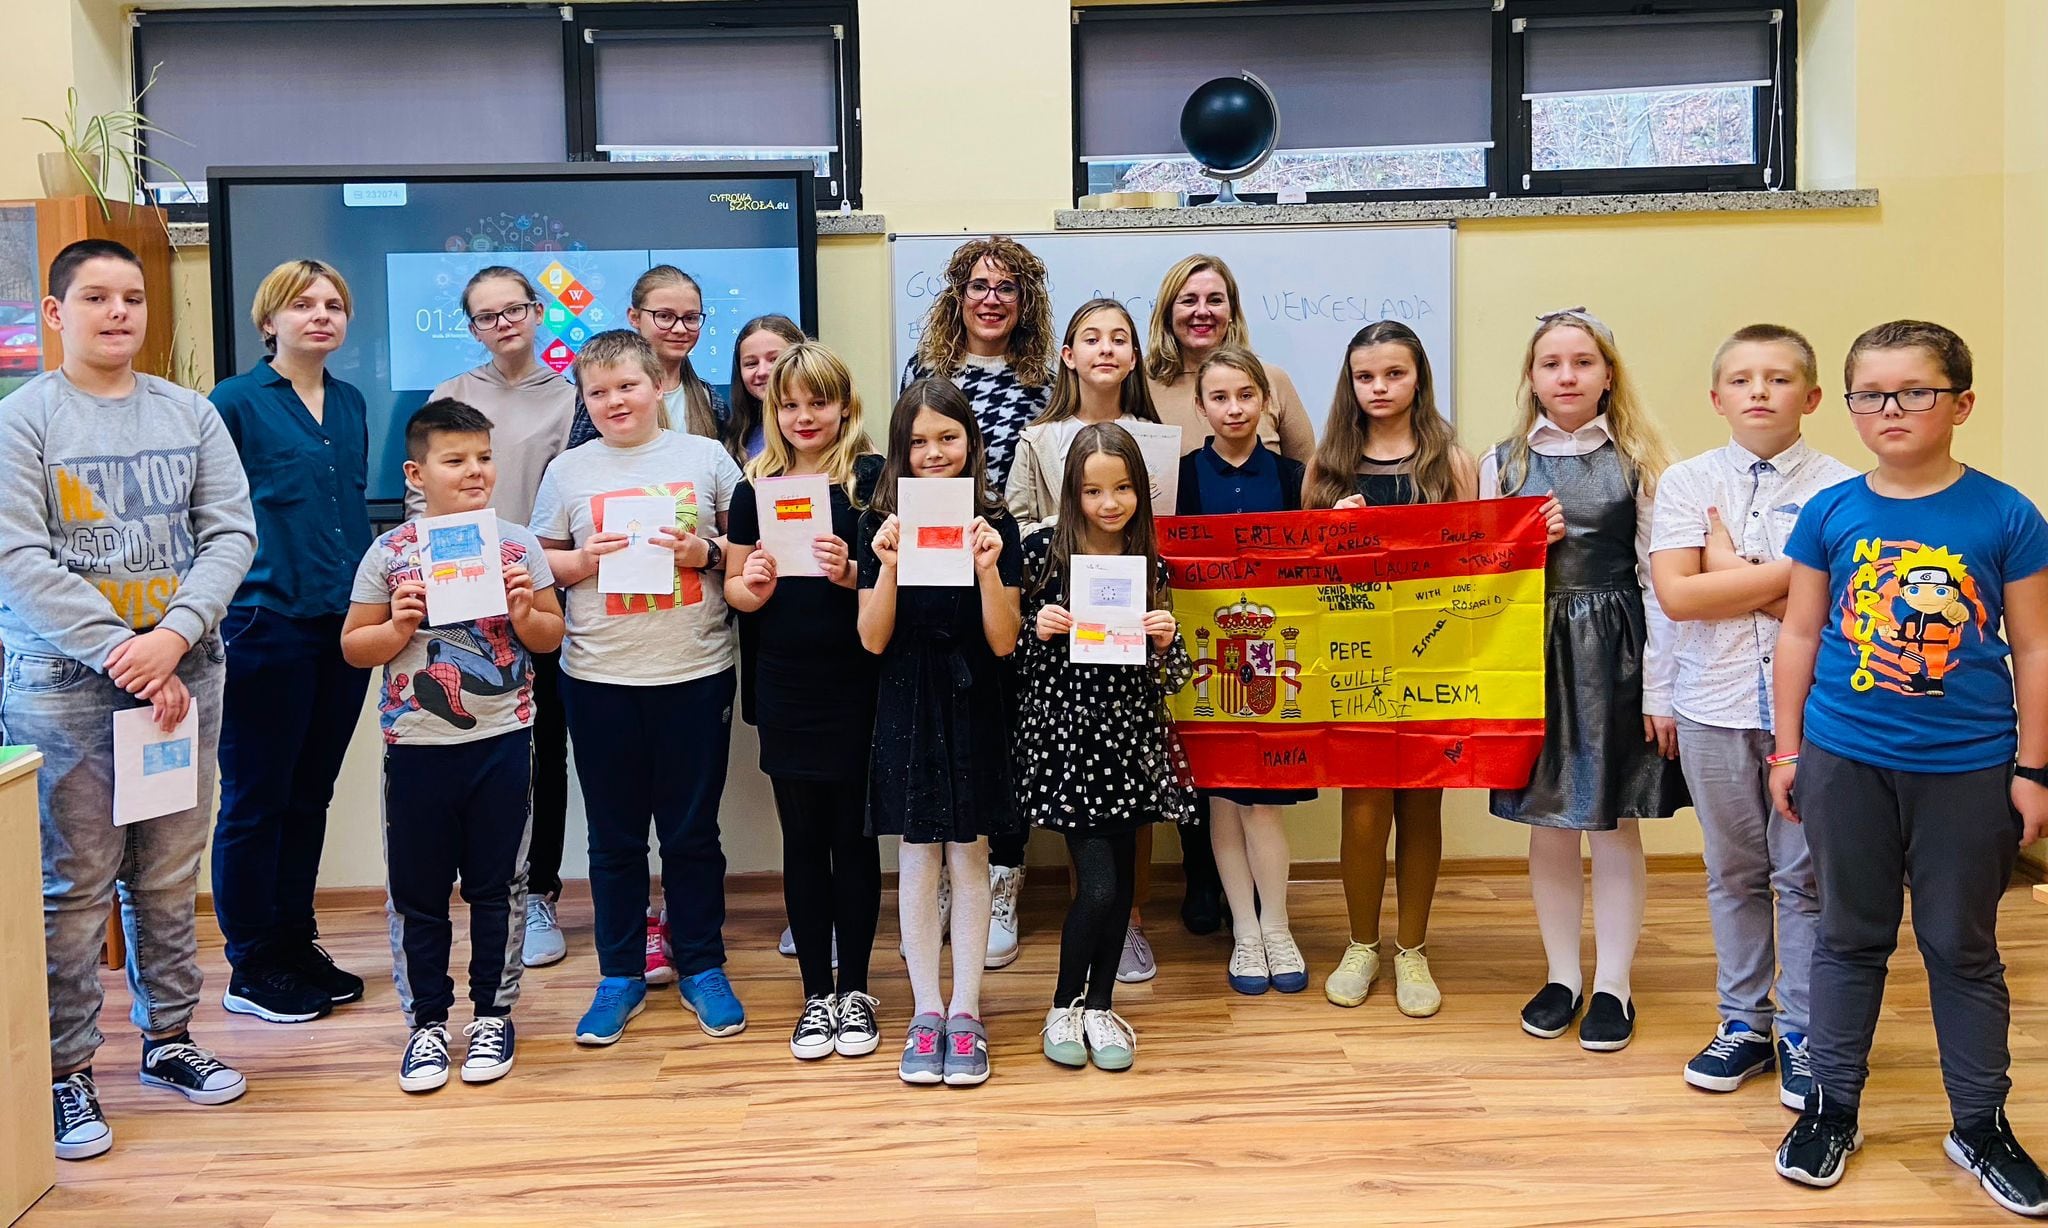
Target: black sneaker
[[489, 1055], [1550, 1012], [81, 1129], [1997, 1160], [1608, 1024], [192, 1072], [425, 1064], [1817, 1148], [316, 967], [274, 993]]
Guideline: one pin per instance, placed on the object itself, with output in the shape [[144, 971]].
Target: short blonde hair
[[622, 347], [1771, 334], [288, 281]]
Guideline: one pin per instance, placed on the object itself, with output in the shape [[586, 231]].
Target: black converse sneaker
[[82, 1130], [489, 1055], [315, 967], [815, 1028], [425, 1064], [192, 1072], [274, 993], [858, 1034], [1817, 1148], [1998, 1161]]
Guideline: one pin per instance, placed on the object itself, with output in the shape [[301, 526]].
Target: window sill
[[1465, 210], [830, 223]]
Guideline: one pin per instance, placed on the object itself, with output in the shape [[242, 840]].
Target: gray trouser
[[1955, 836], [1753, 853], [66, 710]]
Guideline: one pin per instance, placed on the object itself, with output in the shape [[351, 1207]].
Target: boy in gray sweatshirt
[[125, 529]]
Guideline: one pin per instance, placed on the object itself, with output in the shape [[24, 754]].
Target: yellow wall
[[1957, 152]]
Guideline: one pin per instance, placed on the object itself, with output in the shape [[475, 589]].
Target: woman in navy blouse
[[291, 701]]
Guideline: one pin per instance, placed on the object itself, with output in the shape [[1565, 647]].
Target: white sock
[[1618, 891], [1557, 881], [1233, 864], [1265, 842]]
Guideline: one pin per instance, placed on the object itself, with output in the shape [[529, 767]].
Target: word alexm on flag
[[1391, 647]]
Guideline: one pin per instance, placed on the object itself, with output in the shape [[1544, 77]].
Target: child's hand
[[409, 604], [171, 704], [140, 664], [1054, 620], [518, 591], [691, 551], [1160, 626], [1349, 502], [831, 554], [601, 544], [1720, 553], [988, 547], [1774, 610], [759, 573], [1782, 778], [2031, 800], [1553, 517], [887, 539], [1664, 732]]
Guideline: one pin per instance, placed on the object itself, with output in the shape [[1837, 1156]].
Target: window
[[497, 84], [1394, 99]]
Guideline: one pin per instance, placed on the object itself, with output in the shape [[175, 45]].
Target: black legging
[[1092, 941], [831, 879]]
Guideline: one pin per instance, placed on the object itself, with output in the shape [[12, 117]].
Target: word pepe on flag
[[1387, 647], [792, 509]]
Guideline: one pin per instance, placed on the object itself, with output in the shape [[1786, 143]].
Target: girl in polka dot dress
[[1096, 756]]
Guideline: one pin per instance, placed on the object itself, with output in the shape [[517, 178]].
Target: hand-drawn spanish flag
[[1396, 647], [793, 509]]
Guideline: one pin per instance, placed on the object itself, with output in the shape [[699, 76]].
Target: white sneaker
[[1249, 973], [1004, 885], [1065, 1035], [1112, 1042], [544, 944], [1285, 962]]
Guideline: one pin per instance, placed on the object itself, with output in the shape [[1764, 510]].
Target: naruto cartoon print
[[1906, 612]]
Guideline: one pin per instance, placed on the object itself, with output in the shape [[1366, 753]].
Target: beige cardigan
[[1286, 428]]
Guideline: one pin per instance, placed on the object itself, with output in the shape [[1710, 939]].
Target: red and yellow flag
[[1395, 647]]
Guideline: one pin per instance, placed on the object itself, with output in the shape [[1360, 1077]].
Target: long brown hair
[[1140, 536], [1134, 398], [699, 418], [943, 397], [1432, 472], [943, 345], [1644, 452], [744, 415], [1166, 357]]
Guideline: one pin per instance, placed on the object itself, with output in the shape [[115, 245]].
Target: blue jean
[[66, 711], [659, 752], [291, 706]]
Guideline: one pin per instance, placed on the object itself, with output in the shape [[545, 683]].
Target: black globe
[[1229, 124]]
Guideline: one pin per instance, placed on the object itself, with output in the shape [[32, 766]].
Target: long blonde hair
[[1433, 474], [1029, 350], [1643, 448], [1134, 398], [813, 368], [1166, 357]]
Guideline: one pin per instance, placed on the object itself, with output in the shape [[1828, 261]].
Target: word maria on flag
[[1385, 647]]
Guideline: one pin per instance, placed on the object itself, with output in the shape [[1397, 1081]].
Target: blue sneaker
[[1795, 1071], [1737, 1054], [618, 999], [709, 996]]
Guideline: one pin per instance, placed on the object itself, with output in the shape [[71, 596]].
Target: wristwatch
[[2039, 775], [713, 560]]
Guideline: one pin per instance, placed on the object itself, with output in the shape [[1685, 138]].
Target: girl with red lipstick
[[814, 697], [1610, 750], [939, 774]]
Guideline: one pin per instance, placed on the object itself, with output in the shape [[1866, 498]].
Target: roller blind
[[1614, 55], [771, 89], [265, 89], [1389, 75]]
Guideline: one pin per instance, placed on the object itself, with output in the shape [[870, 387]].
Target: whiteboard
[[1304, 290]]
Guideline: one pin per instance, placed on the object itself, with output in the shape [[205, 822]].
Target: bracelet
[[1789, 757]]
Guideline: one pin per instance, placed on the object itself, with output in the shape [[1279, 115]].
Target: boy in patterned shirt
[[1717, 558]]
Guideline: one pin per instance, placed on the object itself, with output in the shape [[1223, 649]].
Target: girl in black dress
[[939, 774], [1095, 753], [815, 697]]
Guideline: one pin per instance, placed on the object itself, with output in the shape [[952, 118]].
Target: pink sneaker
[[660, 970]]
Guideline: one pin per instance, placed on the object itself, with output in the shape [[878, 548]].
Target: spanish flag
[[792, 509], [1395, 647]]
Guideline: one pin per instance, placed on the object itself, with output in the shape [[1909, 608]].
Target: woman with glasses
[[530, 408], [990, 332], [668, 310]]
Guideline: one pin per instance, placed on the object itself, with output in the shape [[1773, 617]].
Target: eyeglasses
[[1911, 400], [667, 320], [1002, 291], [484, 321]]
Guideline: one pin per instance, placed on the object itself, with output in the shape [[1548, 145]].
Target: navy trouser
[[653, 752], [462, 812], [288, 710]]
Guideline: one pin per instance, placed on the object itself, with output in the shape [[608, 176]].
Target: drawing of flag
[[1397, 647], [446, 571], [793, 509], [1091, 633], [941, 537]]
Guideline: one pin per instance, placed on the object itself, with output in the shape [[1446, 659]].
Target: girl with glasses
[[668, 312]]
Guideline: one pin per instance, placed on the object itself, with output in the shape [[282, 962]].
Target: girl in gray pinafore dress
[[1598, 767]]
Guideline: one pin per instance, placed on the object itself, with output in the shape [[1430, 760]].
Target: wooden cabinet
[[32, 232], [28, 1166]]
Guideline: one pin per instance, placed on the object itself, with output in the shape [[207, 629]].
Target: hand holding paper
[[156, 772], [1110, 596], [644, 564], [794, 512]]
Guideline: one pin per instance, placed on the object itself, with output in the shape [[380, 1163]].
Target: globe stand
[[1230, 126], [1225, 196]]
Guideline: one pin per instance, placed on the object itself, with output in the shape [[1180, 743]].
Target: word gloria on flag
[[1386, 647]]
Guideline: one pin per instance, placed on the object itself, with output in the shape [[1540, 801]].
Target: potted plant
[[99, 152]]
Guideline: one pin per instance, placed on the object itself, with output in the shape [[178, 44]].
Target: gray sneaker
[[924, 1059], [966, 1052], [1137, 963], [544, 943]]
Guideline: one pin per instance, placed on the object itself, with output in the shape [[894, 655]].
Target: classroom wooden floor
[[1270, 1110]]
